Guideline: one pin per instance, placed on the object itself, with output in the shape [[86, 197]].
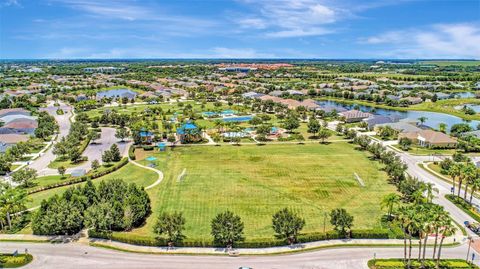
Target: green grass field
[[129, 173], [256, 181], [451, 63]]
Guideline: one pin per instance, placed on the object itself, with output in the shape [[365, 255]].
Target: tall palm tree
[[422, 119], [403, 218], [448, 229], [389, 201], [464, 172], [455, 172], [430, 189], [440, 218], [471, 173], [475, 186]]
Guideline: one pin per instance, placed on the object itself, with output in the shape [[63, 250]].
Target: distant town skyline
[[341, 29]]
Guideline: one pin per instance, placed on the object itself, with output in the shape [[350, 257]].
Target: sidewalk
[[264, 251]]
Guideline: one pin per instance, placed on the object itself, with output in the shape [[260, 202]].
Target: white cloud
[[125, 10], [9, 3], [436, 41], [291, 18], [300, 32], [145, 52], [220, 52]]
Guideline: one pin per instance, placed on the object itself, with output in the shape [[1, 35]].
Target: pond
[[475, 108], [433, 118], [464, 95]]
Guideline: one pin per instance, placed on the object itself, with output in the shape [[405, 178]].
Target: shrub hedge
[[429, 264], [131, 152], [249, 243], [93, 175], [465, 206], [10, 261]]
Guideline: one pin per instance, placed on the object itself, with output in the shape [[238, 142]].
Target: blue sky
[[67, 29]]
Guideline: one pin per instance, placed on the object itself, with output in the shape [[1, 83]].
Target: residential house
[[354, 115], [8, 140], [431, 139]]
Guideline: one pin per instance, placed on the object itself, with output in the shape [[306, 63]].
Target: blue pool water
[[151, 158], [228, 112], [238, 119]]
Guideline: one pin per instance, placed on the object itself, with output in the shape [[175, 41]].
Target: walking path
[[160, 174]]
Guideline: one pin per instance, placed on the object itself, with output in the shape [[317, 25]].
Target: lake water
[[475, 108], [433, 118], [464, 95]]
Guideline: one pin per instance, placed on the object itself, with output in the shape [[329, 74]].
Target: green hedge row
[[131, 152], [465, 206], [429, 264], [10, 261], [94, 175], [251, 243]]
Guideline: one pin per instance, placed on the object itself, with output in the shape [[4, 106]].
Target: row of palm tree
[[419, 217], [422, 220], [466, 174]]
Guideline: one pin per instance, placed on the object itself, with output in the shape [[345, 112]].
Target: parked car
[[474, 227]]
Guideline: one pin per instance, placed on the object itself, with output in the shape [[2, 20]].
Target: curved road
[[76, 255], [41, 163]]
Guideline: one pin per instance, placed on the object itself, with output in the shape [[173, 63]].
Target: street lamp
[[469, 244]]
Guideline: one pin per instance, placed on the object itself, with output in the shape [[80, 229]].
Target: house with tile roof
[[354, 115], [430, 139]]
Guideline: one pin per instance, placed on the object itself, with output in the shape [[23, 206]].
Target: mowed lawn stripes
[[256, 181]]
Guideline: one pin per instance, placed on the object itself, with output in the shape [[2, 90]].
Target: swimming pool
[[151, 158], [237, 119]]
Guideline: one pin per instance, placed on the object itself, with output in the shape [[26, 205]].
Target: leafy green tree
[[287, 225], [61, 170], [115, 153], [405, 143], [122, 133], [95, 164], [24, 176], [227, 228], [170, 225], [341, 220], [5, 164], [291, 123], [324, 134], [313, 126], [12, 200], [255, 121], [99, 217], [94, 135]]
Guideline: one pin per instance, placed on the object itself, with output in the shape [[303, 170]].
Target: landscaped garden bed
[[429, 264]]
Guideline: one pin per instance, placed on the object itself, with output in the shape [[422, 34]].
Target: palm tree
[[403, 217], [475, 186], [448, 229], [465, 170], [389, 201], [430, 189], [471, 173], [455, 172], [442, 127], [422, 119], [439, 220]]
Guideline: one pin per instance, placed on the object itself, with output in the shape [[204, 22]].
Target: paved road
[[73, 256], [41, 163]]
